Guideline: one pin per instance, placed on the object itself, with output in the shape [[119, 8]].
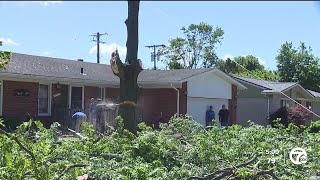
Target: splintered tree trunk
[[128, 72]]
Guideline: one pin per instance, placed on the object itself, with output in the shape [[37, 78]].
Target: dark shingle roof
[[169, 75], [64, 68], [270, 85], [315, 94]]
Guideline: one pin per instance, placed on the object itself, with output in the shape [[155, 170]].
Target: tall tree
[[240, 64], [249, 62], [196, 49], [4, 57], [227, 66], [128, 72], [247, 66], [299, 62]]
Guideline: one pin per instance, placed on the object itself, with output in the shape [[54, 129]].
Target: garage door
[[197, 107]]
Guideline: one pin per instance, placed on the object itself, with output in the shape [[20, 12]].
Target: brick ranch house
[[46, 87]]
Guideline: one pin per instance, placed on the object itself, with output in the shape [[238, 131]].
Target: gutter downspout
[[268, 98], [268, 105], [178, 98]]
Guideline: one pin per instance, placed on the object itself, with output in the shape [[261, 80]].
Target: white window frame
[[69, 95], [311, 104], [49, 99], [102, 92], [1, 97], [286, 101]]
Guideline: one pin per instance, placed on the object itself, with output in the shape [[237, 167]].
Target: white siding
[[197, 107], [316, 109], [209, 85]]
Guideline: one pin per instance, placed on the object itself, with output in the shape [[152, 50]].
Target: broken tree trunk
[[128, 72]]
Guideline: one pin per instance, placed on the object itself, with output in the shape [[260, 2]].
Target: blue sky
[[62, 29]]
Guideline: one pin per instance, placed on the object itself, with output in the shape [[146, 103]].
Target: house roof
[[31, 65], [268, 85], [315, 94], [272, 86]]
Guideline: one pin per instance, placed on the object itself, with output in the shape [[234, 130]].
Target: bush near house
[[298, 115], [181, 149]]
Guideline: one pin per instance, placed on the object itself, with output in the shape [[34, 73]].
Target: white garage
[[209, 88], [197, 107]]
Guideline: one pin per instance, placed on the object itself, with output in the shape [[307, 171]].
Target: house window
[[44, 99], [1, 90], [285, 103], [308, 105], [101, 93], [76, 97]]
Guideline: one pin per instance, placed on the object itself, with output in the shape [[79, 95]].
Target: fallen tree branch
[[20, 144], [108, 156], [266, 172], [77, 134], [247, 162], [225, 172], [68, 168]]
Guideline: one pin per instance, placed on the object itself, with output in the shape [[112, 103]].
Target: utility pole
[[96, 38], [155, 54]]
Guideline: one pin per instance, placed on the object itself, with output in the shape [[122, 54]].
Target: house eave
[[87, 82]]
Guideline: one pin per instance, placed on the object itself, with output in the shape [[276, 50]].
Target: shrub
[[314, 127], [298, 115]]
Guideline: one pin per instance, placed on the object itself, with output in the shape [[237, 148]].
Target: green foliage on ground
[[180, 150]]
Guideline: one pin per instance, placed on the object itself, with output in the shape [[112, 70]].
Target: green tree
[[240, 64], [227, 66], [268, 75], [249, 62], [196, 49], [299, 61], [247, 66], [4, 57]]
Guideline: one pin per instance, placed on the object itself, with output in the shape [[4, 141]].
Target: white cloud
[[47, 3], [8, 41], [226, 56], [107, 49]]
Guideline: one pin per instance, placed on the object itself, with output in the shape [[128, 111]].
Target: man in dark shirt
[[224, 116], [210, 115]]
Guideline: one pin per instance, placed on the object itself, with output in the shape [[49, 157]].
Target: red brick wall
[[155, 101], [89, 92], [112, 93], [233, 105], [19, 106]]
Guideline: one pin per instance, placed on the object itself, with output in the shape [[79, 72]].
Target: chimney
[[80, 60], [81, 70]]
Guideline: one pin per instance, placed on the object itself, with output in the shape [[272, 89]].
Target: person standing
[[210, 116], [78, 118], [224, 116]]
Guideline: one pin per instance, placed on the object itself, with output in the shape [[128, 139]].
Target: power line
[[154, 55], [96, 38]]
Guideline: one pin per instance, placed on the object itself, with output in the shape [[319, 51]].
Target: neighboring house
[[315, 104], [47, 88], [262, 98]]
